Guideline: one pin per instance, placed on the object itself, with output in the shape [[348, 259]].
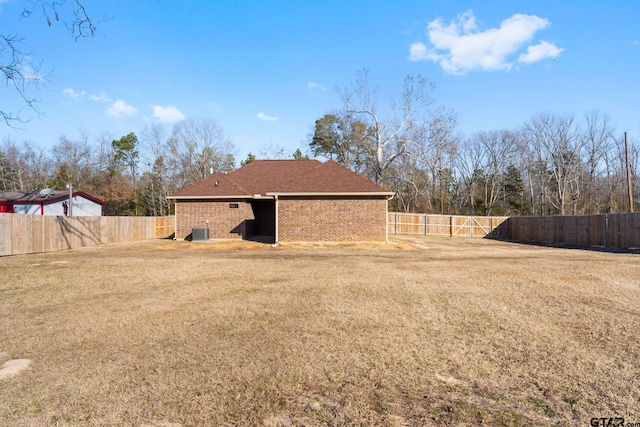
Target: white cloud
[[29, 74], [460, 46], [169, 114], [419, 52], [262, 116], [100, 98], [81, 95], [121, 108], [313, 85], [539, 52], [636, 42], [73, 94]]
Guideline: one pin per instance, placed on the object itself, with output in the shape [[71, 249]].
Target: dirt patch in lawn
[[422, 331], [13, 367]]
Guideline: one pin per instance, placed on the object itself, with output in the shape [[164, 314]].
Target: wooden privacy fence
[[445, 225], [618, 231], [25, 234]]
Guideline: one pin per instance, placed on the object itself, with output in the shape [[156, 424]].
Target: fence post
[[13, 233], [450, 225], [426, 223], [42, 233], [395, 223]]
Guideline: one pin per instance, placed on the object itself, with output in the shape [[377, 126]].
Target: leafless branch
[[15, 66]]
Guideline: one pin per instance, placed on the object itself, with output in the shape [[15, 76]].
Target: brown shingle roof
[[262, 176], [330, 177], [216, 185], [269, 177]]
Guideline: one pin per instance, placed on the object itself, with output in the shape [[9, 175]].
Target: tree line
[[133, 174], [553, 164]]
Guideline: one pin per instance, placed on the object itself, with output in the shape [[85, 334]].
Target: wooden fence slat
[[23, 234], [604, 230], [442, 225], [614, 231]]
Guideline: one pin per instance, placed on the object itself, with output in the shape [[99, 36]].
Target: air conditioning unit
[[200, 234]]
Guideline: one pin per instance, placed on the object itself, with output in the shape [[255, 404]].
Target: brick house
[[285, 201]]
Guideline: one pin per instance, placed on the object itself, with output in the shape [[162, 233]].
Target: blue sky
[[266, 70]]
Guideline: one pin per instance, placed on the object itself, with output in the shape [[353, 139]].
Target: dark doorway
[[264, 225]]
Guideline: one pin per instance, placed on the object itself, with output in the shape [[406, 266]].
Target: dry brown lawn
[[427, 331]]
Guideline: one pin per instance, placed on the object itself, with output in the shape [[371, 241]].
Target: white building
[[50, 203]]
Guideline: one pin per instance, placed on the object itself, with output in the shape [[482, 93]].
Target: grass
[[426, 331]]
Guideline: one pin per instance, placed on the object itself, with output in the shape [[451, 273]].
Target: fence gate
[[442, 225]]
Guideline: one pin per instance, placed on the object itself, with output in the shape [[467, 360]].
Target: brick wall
[[334, 219], [224, 222]]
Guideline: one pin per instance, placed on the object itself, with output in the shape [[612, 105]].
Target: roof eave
[[209, 197], [271, 195], [330, 193], [50, 200]]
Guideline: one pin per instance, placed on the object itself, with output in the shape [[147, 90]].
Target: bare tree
[[154, 189], [195, 148], [555, 142], [412, 185], [74, 158], [272, 151], [495, 151], [469, 165], [153, 144], [635, 176], [16, 69], [395, 132], [614, 159], [23, 167], [435, 147], [600, 149], [155, 184]]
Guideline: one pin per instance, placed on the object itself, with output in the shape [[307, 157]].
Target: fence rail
[[614, 231], [445, 225], [24, 234]]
